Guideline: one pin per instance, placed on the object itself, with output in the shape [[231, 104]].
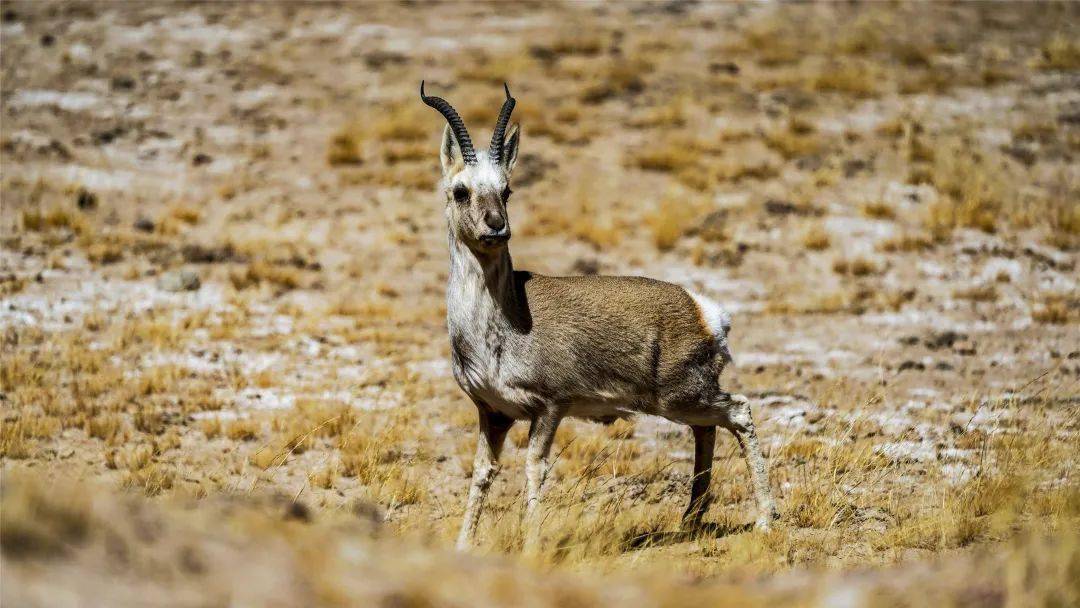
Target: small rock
[[726, 67], [855, 166], [298, 511], [943, 366], [106, 136], [783, 207], [48, 40], [368, 512], [964, 348], [909, 340], [535, 170], [86, 200], [377, 59], [778, 207], [586, 266], [197, 254], [201, 159], [1069, 119], [144, 225], [713, 226], [915, 365], [1021, 153], [179, 280], [943, 339], [122, 83]]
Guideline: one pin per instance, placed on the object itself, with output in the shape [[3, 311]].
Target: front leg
[[541, 435], [493, 429]]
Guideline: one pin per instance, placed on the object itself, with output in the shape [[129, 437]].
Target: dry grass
[[856, 78], [975, 192], [816, 237], [674, 215], [57, 524], [396, 133], [978, 293], [811, 301], [1060, 52], [672, 113], [319, 329], [906, 241], [577, 217], [878, 210], [346, 147], [53, 218], [796, 138], [259, 272], [505, 67], [668, 158], [19, 435], [573, 40], [616, 78], [700, 163], [857, 266], [1056, 309]]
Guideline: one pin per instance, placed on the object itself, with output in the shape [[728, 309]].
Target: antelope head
[[477, 184]]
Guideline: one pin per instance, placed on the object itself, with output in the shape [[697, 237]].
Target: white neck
[[481, 294]]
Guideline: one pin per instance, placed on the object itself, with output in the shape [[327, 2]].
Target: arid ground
[[225, 375]]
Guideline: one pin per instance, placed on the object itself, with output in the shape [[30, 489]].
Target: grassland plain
[[224, 374]]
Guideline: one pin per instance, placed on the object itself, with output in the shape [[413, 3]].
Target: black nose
[[495, 221]]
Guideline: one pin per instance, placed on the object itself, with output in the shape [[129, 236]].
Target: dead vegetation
[[868, 189]]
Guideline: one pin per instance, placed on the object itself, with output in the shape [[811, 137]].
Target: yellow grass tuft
[[975, 192], [857, 266], [671, 218], [1056, 309], [816, 237], [615, 78], [53, 218], [1060, 52], [878, 210], [851, 77]]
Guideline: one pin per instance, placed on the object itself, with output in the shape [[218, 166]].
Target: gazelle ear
[[449, 151], [510, 148]]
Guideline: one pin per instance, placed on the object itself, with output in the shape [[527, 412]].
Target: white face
[[477, 194]]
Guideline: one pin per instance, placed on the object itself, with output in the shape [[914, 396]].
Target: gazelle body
[[538, 348]]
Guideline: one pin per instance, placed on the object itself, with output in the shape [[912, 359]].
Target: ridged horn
[[498, 136], [468, 154]]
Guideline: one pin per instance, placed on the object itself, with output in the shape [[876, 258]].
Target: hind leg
[[704, 442], [739, 421]]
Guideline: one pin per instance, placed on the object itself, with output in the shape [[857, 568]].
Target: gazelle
[[537, 348]]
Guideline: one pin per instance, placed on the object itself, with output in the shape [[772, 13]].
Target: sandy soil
[[223, 259]]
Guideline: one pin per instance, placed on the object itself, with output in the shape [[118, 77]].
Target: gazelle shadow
[[704, 530]]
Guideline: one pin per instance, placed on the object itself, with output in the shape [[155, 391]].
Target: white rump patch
[[717, 319]]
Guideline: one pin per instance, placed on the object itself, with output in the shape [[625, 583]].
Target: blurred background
[[221, 296]]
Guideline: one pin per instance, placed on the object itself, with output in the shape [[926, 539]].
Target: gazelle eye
[[506, 193], [461, 194]]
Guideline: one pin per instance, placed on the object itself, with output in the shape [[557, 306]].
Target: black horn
[[468, 154], [499, 134]]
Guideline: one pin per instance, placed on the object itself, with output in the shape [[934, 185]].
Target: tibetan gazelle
[[538, 348]]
